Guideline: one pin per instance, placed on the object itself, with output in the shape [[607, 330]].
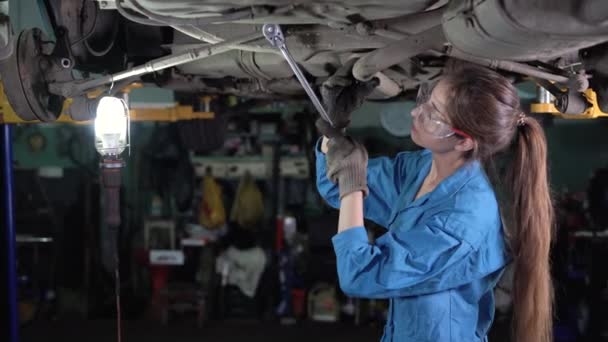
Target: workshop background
[[223, 234]]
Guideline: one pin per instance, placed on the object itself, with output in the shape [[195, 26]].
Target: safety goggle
[[429, 118]]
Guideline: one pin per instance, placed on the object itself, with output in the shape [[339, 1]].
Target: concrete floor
[[224, 331]]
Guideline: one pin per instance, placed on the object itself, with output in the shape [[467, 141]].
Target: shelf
[[258, 167]]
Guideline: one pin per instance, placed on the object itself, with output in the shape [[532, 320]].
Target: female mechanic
[[448, 239]]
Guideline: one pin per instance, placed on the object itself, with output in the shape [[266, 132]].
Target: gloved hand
[[347, 165], [341, 94], [325, 128]]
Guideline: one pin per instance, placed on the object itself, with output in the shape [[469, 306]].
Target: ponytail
[[530, 235], [485, 105]]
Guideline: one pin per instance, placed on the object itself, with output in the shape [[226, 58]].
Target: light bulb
[[111, 126]]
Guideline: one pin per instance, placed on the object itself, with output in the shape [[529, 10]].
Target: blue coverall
[[441, 257]]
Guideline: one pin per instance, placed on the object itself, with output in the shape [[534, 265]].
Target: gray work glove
[[325, 128], [342, 94], [347, 165]]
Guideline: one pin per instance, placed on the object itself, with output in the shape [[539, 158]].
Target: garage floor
[[224, 331]]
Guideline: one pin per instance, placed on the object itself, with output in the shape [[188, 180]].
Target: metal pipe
[[394, 53], [72, 88], [198, 34], [384, 33], [190, 29], [210, 38], [515, 67], [135, 18], [387, 87], [595, 12], [236, 15], [411, 23], [543, 95], [10, 236], [550, 87], [189, 26]]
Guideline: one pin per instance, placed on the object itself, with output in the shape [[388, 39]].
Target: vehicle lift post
[[9, 246]]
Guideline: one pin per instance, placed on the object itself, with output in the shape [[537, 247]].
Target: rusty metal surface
[[24, 74]]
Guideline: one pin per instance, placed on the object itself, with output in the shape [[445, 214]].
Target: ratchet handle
[[274, 35]]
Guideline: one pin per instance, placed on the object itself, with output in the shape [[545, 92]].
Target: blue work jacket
[[441, 257]]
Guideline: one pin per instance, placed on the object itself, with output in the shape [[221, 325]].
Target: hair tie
[[521, 121]]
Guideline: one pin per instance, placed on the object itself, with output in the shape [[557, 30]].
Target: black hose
[[93, 27], [105, 51], [102, 52]]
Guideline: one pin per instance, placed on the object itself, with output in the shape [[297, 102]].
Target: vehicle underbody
[[403, 43]]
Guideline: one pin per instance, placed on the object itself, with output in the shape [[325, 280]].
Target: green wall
[[576, 148], [26, 14], [62, 144]]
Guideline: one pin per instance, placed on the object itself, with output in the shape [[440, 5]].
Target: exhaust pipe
[[394, 53]]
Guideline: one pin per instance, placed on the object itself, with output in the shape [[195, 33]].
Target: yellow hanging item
[[248, 208], [212, 214]]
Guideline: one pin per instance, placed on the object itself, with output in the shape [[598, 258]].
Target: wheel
[[26, 74]]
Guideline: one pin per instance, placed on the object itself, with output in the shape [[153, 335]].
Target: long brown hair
[[486, 105]]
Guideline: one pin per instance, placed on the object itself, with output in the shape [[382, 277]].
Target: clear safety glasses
[[429, 119]]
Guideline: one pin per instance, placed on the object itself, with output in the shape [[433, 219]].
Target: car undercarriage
[[203, 47]]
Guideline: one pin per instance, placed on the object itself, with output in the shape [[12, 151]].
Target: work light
[[111, 126]]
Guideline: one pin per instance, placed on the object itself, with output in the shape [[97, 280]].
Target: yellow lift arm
[[592, 112], [168, 114]]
